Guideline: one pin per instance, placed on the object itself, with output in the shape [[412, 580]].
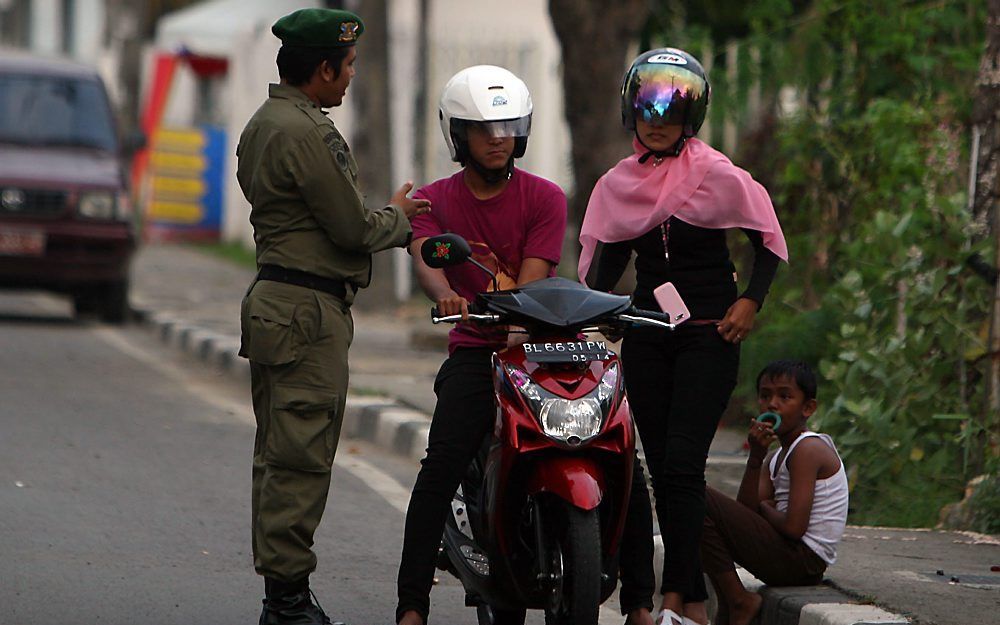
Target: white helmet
[[486, 94]]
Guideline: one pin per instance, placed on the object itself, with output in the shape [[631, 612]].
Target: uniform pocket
[[301, 435], [268, 334]]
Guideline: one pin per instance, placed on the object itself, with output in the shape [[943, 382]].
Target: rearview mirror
[[446, 250]]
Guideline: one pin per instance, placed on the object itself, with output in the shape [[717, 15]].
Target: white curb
[[846, 614]]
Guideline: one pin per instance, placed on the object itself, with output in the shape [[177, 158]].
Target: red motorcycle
[[538, 519]]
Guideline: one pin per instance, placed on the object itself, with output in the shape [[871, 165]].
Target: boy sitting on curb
[[788, 518]]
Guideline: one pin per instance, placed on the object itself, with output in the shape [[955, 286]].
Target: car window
[[56, 111]]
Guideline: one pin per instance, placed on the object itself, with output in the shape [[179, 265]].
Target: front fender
[[579, 481]]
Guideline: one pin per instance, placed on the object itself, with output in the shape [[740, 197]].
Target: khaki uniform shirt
[[301, 180]]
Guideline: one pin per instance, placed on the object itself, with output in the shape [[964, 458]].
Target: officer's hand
[[411, 207]]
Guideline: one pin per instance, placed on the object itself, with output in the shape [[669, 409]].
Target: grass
[[233, 252]]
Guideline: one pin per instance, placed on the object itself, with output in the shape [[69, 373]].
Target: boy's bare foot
[[410, 617], [743, 611], [641, 616]]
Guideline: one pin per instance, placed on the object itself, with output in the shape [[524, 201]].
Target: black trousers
[[463, 416], [678, 386]]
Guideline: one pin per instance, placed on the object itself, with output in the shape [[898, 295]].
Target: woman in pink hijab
[[670, 204]]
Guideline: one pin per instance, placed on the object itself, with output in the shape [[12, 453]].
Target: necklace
[[665, 235]]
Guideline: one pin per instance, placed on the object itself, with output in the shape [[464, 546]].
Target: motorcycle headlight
[[97, 205], [571, 421]]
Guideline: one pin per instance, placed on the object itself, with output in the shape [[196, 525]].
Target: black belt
[[275, 273]]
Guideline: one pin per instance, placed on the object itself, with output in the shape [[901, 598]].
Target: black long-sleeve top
[[696, 260]]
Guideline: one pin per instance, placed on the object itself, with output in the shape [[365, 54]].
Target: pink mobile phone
[[671, 303]]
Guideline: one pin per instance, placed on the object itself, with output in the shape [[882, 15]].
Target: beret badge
[[348, 32]]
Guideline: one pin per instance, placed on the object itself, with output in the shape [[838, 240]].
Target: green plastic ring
[[771, 417]]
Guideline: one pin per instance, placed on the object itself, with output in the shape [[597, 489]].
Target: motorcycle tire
[[580, 545], [493, 616]]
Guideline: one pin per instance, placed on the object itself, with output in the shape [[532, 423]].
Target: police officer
[[314, 240]]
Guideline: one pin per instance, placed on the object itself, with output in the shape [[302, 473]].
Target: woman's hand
[[739, 319]]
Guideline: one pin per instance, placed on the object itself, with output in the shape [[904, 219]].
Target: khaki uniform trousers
[[297, 341]]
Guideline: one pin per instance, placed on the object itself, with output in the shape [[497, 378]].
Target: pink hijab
[[701, 187]]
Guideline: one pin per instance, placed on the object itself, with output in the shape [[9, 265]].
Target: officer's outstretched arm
[[322, 171]]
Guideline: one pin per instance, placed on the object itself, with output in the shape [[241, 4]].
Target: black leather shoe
[[291, 604]]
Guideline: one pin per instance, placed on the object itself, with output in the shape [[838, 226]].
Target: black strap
[[276, 273]]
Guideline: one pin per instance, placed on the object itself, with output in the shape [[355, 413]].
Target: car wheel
[[86, 304], [114, 303]]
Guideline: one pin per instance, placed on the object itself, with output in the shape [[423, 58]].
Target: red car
[[66, 220]]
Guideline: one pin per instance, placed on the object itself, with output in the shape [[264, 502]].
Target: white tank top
[[828, 516]]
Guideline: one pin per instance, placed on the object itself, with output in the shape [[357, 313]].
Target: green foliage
[[986, 506], [875, 164], [897, 357], [867, 163]]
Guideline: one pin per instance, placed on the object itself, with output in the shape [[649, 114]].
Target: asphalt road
[[124, 495], [124, 488]]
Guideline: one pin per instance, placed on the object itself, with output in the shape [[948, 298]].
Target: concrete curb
[[212, 348], [403, 430]]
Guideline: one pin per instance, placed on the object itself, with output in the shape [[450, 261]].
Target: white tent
[[212, 28], [240, 32]]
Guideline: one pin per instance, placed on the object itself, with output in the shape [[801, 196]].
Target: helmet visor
[[520, 127], [661, 93]]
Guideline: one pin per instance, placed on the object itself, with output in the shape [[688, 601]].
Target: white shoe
[[687, 621], [669, 617]]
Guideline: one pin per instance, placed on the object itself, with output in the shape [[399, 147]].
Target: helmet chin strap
[[674, 150], [493, 176]]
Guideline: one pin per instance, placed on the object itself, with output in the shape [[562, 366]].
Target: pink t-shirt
[[527, 220]]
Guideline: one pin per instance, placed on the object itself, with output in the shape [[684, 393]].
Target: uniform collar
[[288, 92]]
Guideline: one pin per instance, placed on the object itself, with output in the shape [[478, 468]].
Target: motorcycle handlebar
[[486, 317], [647, 318], [475, 314], [633, 316]]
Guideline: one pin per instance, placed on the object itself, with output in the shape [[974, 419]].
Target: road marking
[[398, 497], [374, 478], [205, 391]]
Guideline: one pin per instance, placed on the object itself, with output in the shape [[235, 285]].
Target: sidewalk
[[191, 300]]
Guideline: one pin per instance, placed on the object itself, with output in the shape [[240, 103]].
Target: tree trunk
[[123, 33], [370, 137], [986, 118], [595, 36], [420, 96]]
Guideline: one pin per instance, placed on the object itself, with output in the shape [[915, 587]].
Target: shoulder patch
[[337, 147]]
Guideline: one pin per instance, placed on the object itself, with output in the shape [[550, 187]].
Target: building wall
[[516, 34]]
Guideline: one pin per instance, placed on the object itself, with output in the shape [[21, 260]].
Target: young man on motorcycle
[[514, 222]]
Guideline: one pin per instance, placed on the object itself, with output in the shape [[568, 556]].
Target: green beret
[[319, 28]]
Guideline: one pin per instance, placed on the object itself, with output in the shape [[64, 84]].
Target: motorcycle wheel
[[493, 616], [580, 546]]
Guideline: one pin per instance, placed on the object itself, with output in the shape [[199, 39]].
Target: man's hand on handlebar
[[453, 304]]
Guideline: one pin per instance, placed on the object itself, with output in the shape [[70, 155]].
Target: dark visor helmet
[[665, 86]]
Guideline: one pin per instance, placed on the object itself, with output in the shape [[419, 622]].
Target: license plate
[[573, 351], [22, 243]]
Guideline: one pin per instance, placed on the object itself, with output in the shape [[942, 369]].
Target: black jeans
[[463, 416], [678, 386]]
